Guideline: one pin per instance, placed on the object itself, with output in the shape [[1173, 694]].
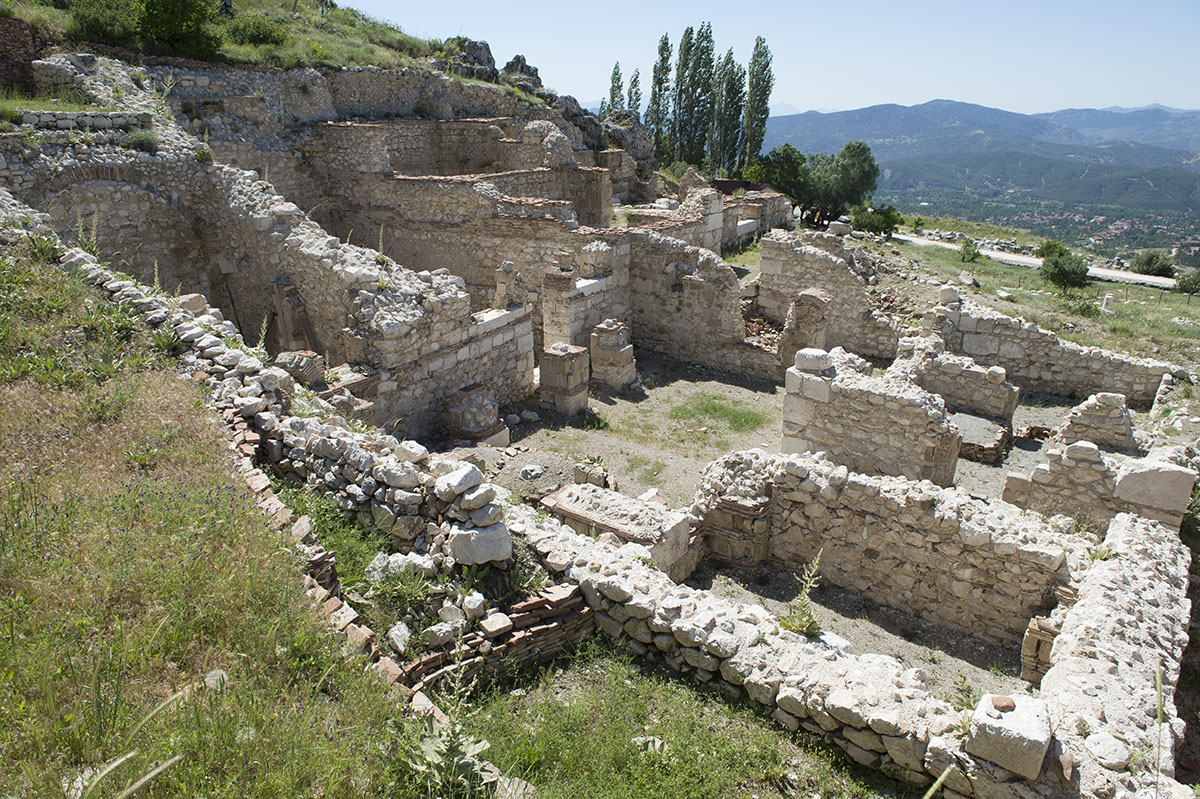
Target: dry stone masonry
[[872, 424], [1036, 359], [1102, 419]]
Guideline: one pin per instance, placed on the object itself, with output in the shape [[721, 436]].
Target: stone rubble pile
[[1102, 419]]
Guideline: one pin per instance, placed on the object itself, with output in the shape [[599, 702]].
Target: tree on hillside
[[185, 26], [729, 99], [680, 110], [1153, 262], [616, 90], [635, 92], [694, 127], [758, 99], [1051, 247], [784, 169], [882, 221], [658, 109], [1189, 284], [837, 182], [969, 251], [1066, 271]]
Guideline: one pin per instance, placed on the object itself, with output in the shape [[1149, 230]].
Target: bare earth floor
[[951, 661]]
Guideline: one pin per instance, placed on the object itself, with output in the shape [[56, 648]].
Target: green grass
[[14, 102], [1144, 325], [976, 230], [132, 563], [339, 37], [713, 409], [605, 728]]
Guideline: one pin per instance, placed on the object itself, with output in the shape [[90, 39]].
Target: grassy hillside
[[280, 33], [132, 566]]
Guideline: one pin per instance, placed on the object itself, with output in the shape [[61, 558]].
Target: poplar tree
[[725, 146], [658, 109], [635, 92], [680, 111], [700, 94], [758, 100], [616, 90]]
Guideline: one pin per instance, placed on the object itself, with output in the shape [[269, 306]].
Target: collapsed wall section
[[1077, 479], [1124, 635], [792, 263], [686, 302], [1036, 359], [874, 425], [982, 568], [961, 383]]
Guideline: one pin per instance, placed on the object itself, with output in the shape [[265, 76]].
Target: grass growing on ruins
[[14, 101], [132, 565], [1146, 321], [711, 408], [605, 727]]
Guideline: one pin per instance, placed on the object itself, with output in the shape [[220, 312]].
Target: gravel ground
[[948, 658]]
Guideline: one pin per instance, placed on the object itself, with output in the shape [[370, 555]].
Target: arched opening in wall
[[183, 250]]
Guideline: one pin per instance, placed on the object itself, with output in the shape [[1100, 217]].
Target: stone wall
[[983, 568], [19, 46], [963, 384], [792, 263], [879, 713], [1102, 419], [1078, 480], [871, 424], [1128, 628], [1036, 359]]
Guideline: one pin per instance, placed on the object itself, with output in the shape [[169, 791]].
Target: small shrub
[[448, 762], [1189, 284], [1065, 271], [1080, 306], [204, 154], [166, 340], [969, 252], [116, 22], [1153, 262], [801, 618], [42, 249], [965, 697], [256, 29], [143, 457], [144, 141]]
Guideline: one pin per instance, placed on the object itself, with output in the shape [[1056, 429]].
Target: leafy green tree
[[969, 251], [784, 169], [1051, 247], [758, 99], [694, 127], [681, 113], [1066, 271], [616, 90], [184, 26], [1189, 284], [882, 221], [1153, 262], [635, 92], [116, 22], [729, 99], [837, 182], [658, 109]]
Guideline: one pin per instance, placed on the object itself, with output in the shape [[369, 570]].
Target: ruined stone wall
[[978, 567], [791, 264], [685, 302], [18, 48], [1129, 624], [1102, 419], [1036, 359], [875, 425], [1078, 480], [963, 384]]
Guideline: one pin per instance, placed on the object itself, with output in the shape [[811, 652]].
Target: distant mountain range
[[1134, 161]]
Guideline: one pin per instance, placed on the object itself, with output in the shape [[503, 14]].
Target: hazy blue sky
[[1019, 55]]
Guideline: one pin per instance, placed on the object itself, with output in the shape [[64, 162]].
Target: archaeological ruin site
[[386, 280]]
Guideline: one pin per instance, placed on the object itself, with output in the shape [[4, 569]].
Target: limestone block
[[1015, 739], [479, 545], [1155, 484]]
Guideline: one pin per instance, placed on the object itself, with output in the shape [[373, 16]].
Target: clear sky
[[1020, 55]]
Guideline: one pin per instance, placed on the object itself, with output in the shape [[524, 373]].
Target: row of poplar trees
[[714, 113]]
